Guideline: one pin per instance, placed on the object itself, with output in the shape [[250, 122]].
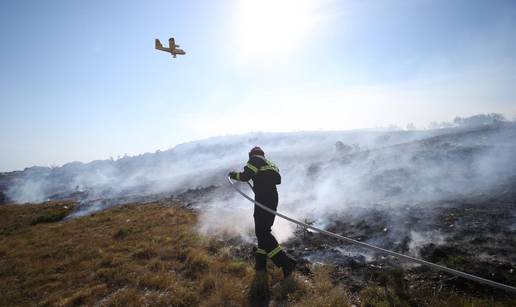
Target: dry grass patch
[[322, 292], [197, 261], [113, 256], [132, 255]]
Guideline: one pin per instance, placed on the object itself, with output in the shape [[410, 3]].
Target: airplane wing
[[159, 46], [171, 43]]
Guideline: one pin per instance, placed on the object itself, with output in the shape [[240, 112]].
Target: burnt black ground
[[478, 237]]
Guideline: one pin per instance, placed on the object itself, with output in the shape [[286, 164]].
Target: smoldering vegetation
[[447, 195], [187, 166], [324, 173]]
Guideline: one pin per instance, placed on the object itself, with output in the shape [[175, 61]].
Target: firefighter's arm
[[248, 173]]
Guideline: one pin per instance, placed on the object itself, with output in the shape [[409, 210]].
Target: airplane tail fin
[[158, 44]]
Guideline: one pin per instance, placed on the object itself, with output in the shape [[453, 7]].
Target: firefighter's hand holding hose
[[232, 175]]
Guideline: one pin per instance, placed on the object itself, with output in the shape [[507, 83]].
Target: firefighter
[[265, 176]]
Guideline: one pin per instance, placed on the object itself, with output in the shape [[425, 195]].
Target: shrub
[[120, 234], [50, 216], [208, 283], [107, 275]]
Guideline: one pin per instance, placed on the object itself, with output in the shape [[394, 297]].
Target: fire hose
[[376, 248]]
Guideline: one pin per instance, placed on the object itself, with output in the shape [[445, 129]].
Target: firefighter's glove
[[232, 175]]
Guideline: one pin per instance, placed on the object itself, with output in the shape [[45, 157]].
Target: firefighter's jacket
[[265, 176]]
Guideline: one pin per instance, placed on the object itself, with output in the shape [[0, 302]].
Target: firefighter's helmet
[[256, 151]]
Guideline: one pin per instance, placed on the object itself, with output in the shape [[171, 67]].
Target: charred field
[[478, 238]]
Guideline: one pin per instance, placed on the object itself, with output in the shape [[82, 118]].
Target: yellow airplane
[[172, 47]]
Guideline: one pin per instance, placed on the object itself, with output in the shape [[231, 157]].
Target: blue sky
[[80, 80]]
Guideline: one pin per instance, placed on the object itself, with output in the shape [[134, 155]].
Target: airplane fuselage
[[172, 48]]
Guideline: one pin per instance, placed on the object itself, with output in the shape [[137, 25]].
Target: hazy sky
[[80, 80]]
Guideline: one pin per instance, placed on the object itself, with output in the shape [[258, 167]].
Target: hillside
[[447, 196], [420, 166], [185, 166], [152, 255]]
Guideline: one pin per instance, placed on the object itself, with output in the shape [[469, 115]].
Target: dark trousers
[[263, 220]]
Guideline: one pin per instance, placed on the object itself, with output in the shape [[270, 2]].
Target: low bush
[[52, 214], [120, 234]]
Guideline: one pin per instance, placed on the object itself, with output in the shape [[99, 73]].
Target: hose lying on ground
[[378, 249]]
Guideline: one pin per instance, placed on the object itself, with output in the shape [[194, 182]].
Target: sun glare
[[273, 28]]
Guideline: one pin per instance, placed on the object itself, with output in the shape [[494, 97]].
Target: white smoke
[[419, 239], [323, 173], [30, 191]]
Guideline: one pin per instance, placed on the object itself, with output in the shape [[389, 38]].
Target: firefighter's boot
[[285, 262], [260, 257]]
